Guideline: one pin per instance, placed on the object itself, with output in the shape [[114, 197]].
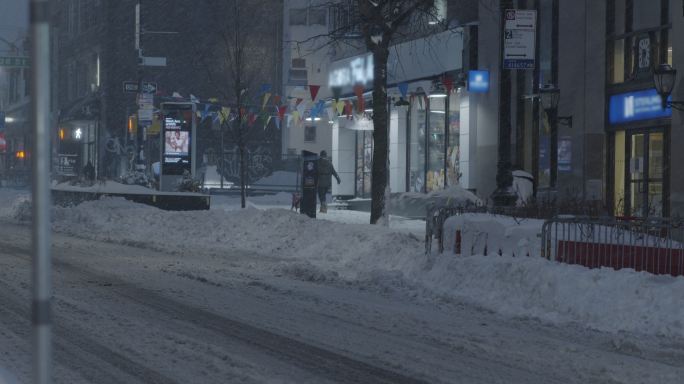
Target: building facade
[[183, 52]]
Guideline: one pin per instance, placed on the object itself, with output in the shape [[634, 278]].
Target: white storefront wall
[[415, 60]]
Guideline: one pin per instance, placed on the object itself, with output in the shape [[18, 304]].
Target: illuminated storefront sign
[[358, 70], [635, 106], [478, 81]]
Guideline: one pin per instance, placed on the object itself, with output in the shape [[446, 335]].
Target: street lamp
[[550, 96], [664, 79]]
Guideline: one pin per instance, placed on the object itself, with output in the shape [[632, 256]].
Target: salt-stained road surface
[[125, 314]]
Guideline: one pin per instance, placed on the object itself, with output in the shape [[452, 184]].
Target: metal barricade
[[654, 245], [435, 218]]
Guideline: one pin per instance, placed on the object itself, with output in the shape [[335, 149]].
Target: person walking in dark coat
[[325, 173]]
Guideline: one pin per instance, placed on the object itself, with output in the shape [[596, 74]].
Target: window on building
[[638, 38], [436, 144], [344, 19], [298, 16], [318, 16], [310, 134], [454, 145], [417, 144]]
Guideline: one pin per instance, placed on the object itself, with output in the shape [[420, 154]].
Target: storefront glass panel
[[619, 172], [417, 145], [364, 158], [436, 144], [639, 174], [454, 147]]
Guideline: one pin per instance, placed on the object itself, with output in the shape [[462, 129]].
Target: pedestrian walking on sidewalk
[[325, 173]]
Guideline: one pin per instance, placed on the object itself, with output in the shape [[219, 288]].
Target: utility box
[[309, 183]]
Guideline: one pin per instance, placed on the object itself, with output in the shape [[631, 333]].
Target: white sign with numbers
[[520, 30]]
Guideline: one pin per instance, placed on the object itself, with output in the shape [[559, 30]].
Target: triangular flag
[[264, 88], [448, 84], [403, 89], [266, 97], [268, 120], [336, 91], [278, 120], [313, 89], [276, 99], [301, 107], [331, 114], [299, 101], [340, 107], [251, 119], [348, 108], [281, 112], [360, 104]]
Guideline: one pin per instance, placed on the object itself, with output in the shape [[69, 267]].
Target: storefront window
[[618, 53], [417, 144], [454, 148], [619, 171], [436, 140], [544, 176], [364, 158]]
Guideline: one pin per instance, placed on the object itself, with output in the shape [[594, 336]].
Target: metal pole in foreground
[[40, 110]]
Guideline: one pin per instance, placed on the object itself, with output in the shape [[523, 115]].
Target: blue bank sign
[[478, 81], [635, 106]]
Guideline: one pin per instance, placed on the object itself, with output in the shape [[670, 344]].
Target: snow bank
[[484, 234], [288, 243], [413, 204]]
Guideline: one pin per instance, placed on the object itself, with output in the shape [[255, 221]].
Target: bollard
[[457, 242]]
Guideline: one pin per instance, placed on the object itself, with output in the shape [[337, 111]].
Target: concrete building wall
[[300, 44], [677, 131], [485, 106], [581, 68]]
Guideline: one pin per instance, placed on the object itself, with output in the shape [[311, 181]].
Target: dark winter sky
[[13, 20]]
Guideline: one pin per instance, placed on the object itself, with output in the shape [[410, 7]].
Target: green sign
[[19, 62]]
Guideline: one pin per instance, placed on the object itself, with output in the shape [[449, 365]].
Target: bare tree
[[236, 67], [379, 24]]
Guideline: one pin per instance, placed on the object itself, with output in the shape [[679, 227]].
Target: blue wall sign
[[478, 81], [635, 106]]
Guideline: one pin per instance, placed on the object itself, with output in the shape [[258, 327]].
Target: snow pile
[[285, 242], [15, 204], [106, 187], [413, 204], [349, 250], [483, 234]]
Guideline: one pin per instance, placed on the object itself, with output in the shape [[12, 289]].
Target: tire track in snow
[[70, 343], [317, 360]]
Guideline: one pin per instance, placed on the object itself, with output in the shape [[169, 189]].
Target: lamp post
[[550, 96], [664, 79]]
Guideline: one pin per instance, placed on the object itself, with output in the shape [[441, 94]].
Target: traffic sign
[[14, 61], [520, 32], [132, 87], [149, 87]]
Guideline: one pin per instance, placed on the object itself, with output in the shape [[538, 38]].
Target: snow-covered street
[[256, 296]]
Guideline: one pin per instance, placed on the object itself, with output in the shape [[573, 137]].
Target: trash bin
[[309, 183]]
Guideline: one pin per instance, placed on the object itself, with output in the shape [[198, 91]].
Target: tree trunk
[[380, 164]]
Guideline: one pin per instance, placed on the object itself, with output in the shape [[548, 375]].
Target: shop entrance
[[639, 173]]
